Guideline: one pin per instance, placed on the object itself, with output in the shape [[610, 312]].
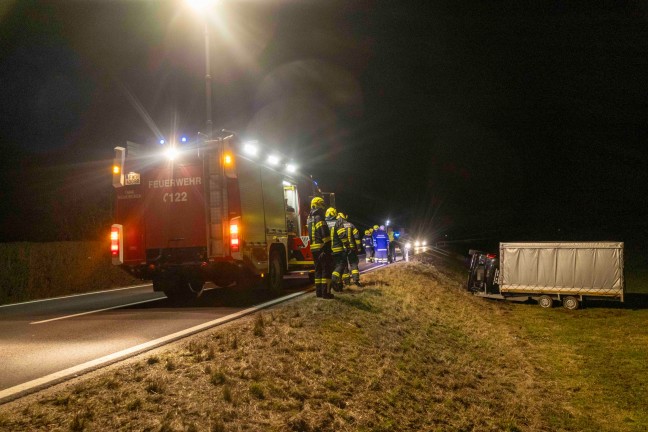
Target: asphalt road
[[45, 337]]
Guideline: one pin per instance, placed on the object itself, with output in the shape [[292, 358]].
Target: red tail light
[[234, 236], [491, 256], [116, 244]]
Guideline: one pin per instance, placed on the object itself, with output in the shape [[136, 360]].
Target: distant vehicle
[[567, 272], [216, 212]]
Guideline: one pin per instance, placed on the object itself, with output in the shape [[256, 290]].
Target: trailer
[[550, 272], [209, 212]]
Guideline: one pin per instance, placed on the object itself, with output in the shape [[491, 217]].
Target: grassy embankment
[[30, 271], [410, 351]]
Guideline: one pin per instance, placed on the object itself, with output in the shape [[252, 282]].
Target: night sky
[[514, 121]]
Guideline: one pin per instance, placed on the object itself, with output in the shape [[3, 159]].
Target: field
[[411, 350], [30, 271]]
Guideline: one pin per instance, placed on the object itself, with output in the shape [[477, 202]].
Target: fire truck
[[212, 212]]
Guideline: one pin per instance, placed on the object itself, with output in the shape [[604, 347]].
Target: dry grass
[[409, 351]]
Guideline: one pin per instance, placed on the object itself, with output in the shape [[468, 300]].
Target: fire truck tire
[[570, 302], [244, 280], [275, 273], [180, 291], [545, 301]]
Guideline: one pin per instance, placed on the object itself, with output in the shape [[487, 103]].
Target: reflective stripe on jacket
[[318, 230]]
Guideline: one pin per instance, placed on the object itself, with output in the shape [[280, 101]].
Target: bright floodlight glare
[[387, 223], [162, 141], [250, 149], [291, 168], [200, 5], [285, 183], [171, 153], [273, 160]]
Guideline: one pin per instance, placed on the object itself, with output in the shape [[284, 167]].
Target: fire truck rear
[[208, 213]]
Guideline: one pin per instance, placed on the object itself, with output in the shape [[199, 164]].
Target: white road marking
[[75, 295], [39, 383], [372, 268], [97, 310], [19, 390]]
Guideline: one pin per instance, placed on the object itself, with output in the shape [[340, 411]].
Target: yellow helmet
[[376, 227], [370, 231], [317, 202], [367, 232], [341, 215], [331, 212]]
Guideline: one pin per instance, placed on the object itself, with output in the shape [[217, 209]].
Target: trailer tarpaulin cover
[[594, 268]]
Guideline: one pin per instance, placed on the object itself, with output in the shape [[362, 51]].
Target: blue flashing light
[[162, 141], [183, 139]]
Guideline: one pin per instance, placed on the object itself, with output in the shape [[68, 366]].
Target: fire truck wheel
[[196, 287], [545, 301], [244, 280], [570, 302], [275, 273]]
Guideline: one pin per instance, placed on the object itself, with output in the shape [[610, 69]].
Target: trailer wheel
[[275, 273], [545, 301], [570, 303]]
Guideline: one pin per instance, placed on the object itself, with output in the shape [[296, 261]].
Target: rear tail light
[[234, 236], [117, 244], [491, 256]]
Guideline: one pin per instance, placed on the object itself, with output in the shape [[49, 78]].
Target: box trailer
[[567, 272]]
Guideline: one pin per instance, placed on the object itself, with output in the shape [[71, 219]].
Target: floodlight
[[250, 149]]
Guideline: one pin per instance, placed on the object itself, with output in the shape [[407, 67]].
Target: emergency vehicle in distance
[[213, 212]]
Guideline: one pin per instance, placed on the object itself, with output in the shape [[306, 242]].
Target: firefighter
[[353, 235], [346, 275], [320, 244], [381, 245], [331, 219], [391, 255], [373, 249], [339, 247], [367, 242]]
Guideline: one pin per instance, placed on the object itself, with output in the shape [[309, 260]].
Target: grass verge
[[409, 351]]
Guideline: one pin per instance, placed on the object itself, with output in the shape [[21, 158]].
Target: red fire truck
[[213, 212]]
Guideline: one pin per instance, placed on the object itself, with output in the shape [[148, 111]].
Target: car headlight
[[424, 243], [408, 245], [417, 243]]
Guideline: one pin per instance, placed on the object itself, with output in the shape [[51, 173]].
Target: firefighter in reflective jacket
[[346, 274], [355, 244], [367, 242], [381, 244], [320, 245], [339, 247]]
